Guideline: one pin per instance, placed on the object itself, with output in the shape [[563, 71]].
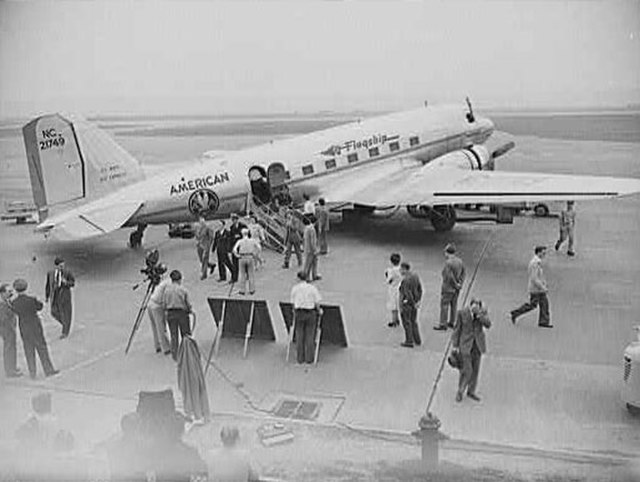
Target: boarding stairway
[[273, 223]]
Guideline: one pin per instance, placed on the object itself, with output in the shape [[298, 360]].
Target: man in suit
[[58, 289], [322, 216], [8, 333], [292, 239], [204, 241], [469, 340], [222, 247], [452, 281], [410, 296], [27, 307], [310, 246]]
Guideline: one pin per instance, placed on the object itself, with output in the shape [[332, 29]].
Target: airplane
[[427, 159]]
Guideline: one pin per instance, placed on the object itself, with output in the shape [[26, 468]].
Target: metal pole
[[291, 331], [140, 316], [318, 337], [449, 343], [247, 333]]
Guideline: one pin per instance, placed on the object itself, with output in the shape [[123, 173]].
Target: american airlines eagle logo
[[203, 201]]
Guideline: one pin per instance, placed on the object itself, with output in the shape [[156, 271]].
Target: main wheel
[[541, 210], [443, 218]]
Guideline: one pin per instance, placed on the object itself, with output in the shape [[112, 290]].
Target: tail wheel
[[443, 218]]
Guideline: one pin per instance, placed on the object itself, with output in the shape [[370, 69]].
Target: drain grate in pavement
[[297, 409]]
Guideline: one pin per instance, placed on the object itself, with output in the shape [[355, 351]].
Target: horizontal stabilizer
[[90, 220]]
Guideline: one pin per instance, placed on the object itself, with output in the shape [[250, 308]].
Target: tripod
[[143, 307]]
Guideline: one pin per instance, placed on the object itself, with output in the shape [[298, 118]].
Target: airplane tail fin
[[72, 162]]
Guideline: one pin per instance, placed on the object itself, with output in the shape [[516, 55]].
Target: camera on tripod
[[153, 269]]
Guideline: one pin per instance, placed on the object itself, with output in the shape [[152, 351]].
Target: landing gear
[[443, 218], [541, 210], [135, 238]]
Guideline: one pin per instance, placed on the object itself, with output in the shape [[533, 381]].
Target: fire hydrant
[[429, 435]]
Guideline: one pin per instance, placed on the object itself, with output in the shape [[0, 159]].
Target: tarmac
[[550, 398]]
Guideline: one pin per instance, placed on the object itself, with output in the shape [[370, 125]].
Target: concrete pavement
[[543, 392]]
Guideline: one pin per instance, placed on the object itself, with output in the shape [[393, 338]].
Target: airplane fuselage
[[304, 163]]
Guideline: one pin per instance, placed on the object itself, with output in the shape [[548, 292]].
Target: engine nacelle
[[473, 158]]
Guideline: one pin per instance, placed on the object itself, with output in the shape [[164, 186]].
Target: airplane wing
[[435, 184]]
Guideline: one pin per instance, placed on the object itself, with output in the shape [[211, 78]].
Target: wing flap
[[435, 185]]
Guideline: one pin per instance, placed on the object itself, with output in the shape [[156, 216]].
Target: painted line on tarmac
[[96, 359]]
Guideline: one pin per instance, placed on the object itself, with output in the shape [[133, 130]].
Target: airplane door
[[277, 175], [260, 184]]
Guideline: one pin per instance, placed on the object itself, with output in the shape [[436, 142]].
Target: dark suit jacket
[[27, 307], [221, 241], [323, 218], [469, 329], [235, 233], [50, 288], [410, 290]]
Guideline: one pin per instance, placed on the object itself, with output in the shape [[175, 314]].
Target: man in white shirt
[[306, 309], [246, 250], [156, 312], [309, 207]]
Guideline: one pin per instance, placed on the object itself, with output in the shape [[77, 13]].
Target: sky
[[185, 57]]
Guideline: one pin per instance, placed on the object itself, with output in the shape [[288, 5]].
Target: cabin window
[[374, 151], [352, 157], [308, 169], [394, 146], [330, 163], [414, 141]]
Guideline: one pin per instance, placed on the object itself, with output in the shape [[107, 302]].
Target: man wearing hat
[[58, 289], [27, 307], [567, 226], [204, 241], [310, 243], [235, 233], [469, 340], [8, 333], [452, 281], [537, 291], [410, 295]]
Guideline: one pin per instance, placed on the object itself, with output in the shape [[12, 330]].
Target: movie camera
[[153, 271]]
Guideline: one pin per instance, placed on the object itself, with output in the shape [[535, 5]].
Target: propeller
[[499, 151]]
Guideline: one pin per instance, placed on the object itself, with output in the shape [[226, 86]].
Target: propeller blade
[[503, 149]]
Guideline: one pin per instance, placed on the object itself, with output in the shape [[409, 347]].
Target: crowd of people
[[238, 248]]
